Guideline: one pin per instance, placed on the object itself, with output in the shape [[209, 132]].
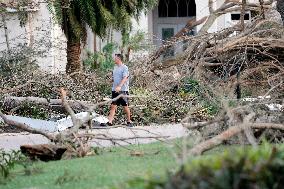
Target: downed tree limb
[[26, 127], [77, 123], [197, 125], [198, 43], [14, 101], [189, 26], [230, 132]]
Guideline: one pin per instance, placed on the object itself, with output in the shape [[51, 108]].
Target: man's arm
[[118, 88]]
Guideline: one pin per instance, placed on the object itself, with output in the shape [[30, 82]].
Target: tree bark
[[13, 101], [44, 152], [230, 132], [280, 9], [6, 31], [243, 12], [73, 57], [262, 14]]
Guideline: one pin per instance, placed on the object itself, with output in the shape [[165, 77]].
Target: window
[[237, 16], [177, 8]]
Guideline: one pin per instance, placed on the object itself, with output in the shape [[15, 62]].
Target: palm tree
[[75, 15]]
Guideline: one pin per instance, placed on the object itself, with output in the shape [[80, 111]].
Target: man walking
[[120, 86]]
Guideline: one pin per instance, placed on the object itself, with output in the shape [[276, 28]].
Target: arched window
[[177, 8]]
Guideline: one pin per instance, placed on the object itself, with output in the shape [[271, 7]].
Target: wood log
[[43, 152], [14, 101], [230, 132]]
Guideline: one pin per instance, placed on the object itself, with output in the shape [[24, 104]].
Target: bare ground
[[13, 141]]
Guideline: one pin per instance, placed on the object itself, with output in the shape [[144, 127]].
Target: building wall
[[223, 21], [40, 33], [158, 23], [16, 34]]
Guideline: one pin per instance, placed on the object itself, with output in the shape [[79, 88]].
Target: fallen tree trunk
[[14, 101], [43, 152], [26, 127], [230, 132]]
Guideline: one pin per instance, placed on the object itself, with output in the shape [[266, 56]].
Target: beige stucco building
[[164, 21], [39, 31]]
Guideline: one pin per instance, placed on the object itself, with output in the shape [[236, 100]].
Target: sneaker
[[129, 124], [106, 124]]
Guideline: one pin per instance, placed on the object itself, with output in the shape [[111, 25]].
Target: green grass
[[114, 166]]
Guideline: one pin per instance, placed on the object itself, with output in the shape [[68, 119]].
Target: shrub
[[32, 111], [8, 160], [261, 167]]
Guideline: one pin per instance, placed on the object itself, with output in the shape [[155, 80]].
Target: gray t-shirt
[[118, 73]]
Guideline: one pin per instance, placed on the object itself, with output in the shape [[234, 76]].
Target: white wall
[[16, 34], [141, 24], [40, 33], [223, 21]]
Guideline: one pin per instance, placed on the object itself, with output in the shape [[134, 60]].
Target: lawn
[[112, 167]]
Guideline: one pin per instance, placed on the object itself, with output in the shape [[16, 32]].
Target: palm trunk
[[73, 57]]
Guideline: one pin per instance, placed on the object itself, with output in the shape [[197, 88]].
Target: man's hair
[[119, 56]]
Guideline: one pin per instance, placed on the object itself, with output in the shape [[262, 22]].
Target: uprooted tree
[[247, 55]]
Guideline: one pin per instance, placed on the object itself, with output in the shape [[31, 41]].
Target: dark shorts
[[121, 101]]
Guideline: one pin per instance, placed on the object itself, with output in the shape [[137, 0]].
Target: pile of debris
[[246, 60]]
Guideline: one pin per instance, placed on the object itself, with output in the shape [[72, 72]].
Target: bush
[[8, 160], [261, 167], [32, 111], [101, 61]]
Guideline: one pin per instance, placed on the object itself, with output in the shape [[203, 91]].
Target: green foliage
[[113, 166], [104, 89], [108, 50], [246, 92], [203, 95], [98, 14], [32, 111], [261, 167], [190, 85], [156, 108], [232, 103], [8, 161], [102, 60], [30, 170], [22, 12], [211, 108], [93, 58], [68, 177], [18, 60], [134, 41]]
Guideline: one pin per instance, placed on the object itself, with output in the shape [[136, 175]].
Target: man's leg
[[112, 113], [128, 113]]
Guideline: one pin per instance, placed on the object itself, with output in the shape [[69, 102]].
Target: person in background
[[120, 85]]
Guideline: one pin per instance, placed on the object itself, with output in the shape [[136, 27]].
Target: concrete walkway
[[13, 141]]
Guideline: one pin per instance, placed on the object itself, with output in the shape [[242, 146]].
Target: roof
[[16, 5]]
